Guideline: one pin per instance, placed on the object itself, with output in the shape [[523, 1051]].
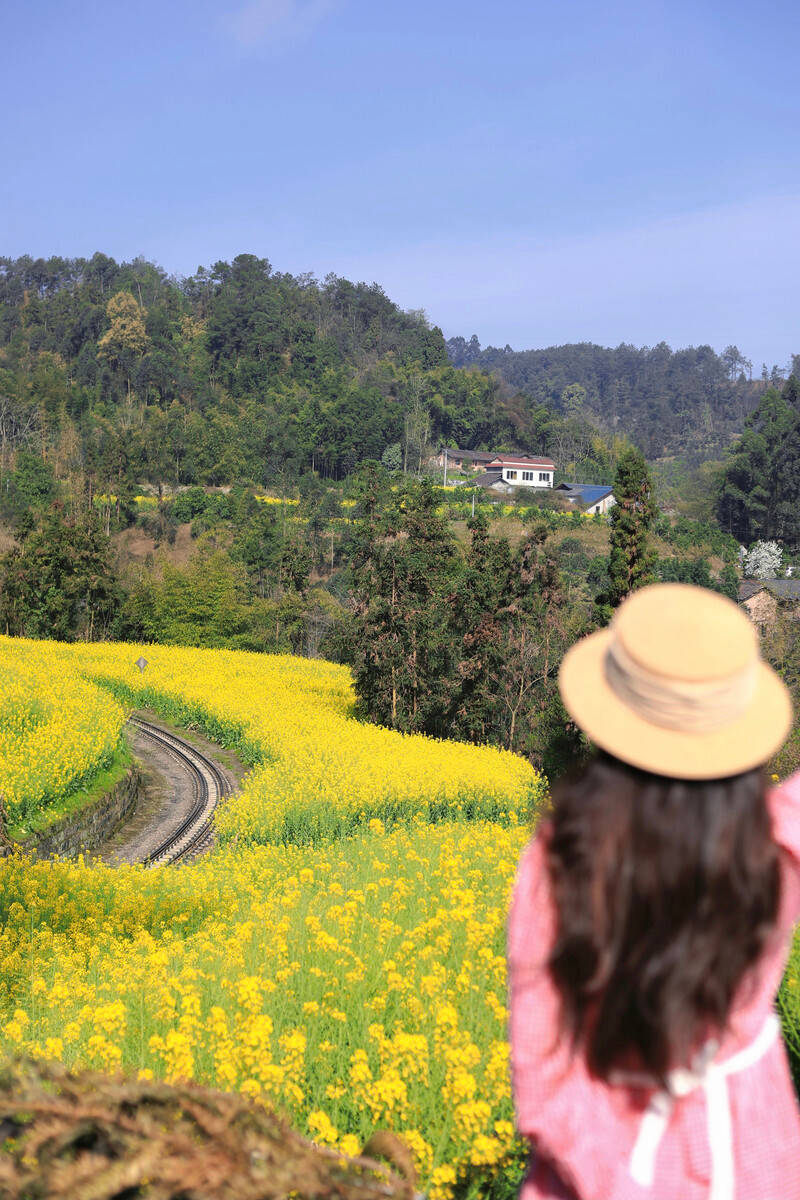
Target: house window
[[527, 475], [544, 477], [511, 474]]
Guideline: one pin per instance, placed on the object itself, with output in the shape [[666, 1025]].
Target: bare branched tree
[[417, 432], [19, 423]]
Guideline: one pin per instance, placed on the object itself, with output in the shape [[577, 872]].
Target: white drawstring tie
[[712, 1077]]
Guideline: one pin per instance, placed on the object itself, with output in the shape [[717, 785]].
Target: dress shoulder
[[784, 806]]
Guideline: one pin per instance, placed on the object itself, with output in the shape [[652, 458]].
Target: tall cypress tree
[[785, 474], [630, 564], [401, 643], [477, 623], [748, 499]]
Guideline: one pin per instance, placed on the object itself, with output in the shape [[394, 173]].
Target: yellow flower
[[442, 1183], [321, 1128], [103, 1053], [14, 1029]]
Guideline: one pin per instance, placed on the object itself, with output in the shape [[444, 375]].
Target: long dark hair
[[665, 891]]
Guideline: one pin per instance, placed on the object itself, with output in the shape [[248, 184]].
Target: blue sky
[[533, 173]]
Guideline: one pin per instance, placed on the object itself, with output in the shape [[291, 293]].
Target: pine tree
[[477, 623], [758, 491], [630, 564], [785, 476], [401, 645], [514, 623]]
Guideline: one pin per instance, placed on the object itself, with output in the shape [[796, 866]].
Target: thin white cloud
[[263, 21], [721, 275]]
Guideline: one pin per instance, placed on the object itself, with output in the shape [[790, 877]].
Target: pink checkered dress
[[729, 1130]]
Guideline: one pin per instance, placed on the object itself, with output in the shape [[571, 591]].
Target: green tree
[[392, 457], [125, 341], [205, 603], [29, 490], [729, 581], [573, 399], [60, 583], [540, 624], [477, 621], [295, 563], [513, 623], [786, 474], [631, 562], [401, 644], [417, 429], [749, 497], [257, 544]]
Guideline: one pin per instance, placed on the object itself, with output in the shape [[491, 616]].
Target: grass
[[225, 756], [186, 717], [593, 536], [83, 797]]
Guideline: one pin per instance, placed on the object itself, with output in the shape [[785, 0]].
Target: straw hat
[[675, 685]]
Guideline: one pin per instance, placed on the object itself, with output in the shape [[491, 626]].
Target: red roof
[[524, 460]]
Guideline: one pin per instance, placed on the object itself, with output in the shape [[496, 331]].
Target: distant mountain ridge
[[689, 402]]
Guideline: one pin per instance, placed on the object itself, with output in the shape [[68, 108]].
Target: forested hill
[[236, 373], [116, 373], [686, 402]]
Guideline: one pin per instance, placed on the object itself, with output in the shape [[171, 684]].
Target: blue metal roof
[[592, 492]]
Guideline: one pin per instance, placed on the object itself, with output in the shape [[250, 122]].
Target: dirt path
[[167, 789]]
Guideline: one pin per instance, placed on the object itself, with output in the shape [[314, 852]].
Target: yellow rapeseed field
[[56, 729], [355, 986], [341, 954], [319, 773]]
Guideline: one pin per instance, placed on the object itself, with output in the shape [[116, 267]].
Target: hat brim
[[745, 743]]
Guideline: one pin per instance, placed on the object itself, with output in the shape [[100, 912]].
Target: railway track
[[209, 785]]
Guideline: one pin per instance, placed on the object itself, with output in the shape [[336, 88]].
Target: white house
[[522, 470]]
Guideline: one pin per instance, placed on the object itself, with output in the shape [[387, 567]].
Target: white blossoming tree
[[763, 560]]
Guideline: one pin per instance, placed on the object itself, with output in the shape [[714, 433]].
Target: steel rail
[[209, 785]]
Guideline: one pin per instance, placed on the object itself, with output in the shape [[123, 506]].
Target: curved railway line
[[209, 785]]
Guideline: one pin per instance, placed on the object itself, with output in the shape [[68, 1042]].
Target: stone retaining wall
[[91, 826]]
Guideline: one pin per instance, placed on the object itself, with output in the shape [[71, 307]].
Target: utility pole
[[445, 466]]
